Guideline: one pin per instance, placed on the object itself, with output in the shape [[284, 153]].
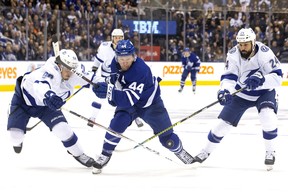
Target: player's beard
[[245, 54]]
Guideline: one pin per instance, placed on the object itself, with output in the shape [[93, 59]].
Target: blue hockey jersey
[[192, 62], [134, 87]]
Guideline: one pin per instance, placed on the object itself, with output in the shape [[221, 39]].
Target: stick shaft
[[184, 119], [118, 134]]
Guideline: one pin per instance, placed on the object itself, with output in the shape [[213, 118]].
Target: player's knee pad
[[121, 121], [221, 129], [63, 131], [16, 136], [171, 142], [268, 119]]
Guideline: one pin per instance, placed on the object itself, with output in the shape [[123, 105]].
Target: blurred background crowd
[[159, 29]]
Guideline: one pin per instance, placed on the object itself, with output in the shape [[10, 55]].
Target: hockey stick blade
[[55, 45], [179, 122]]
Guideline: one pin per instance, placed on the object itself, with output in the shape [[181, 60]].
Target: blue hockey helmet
[[186, 52], [186, 49], [124, 48]]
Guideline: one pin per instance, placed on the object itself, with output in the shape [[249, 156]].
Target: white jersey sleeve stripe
[[150, 100]]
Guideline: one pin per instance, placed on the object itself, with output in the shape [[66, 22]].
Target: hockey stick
[[179, 122], [55, 45], [119, 135], [32, 127]]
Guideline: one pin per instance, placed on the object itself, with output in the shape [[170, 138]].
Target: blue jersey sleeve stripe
[[44, 82], [150, 100], [29, 97], [100, 60], [230, 77], [278, 72]]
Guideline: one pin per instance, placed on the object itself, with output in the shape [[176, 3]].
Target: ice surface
[[236, 165]]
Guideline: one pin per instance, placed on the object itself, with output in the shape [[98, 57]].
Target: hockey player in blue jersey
[[191, 64], [41, 94], [253, 65], [136, 93]]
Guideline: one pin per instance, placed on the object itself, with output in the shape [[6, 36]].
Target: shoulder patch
[[105, 43], [233, 50], [264, 48]]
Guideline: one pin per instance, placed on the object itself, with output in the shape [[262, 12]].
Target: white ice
[[236, 165]]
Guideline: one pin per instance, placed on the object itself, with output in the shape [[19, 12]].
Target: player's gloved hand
[[255, 80], [100, 90], [94, 69], [53, 101], [224, 97], [188, 67], [110, 95]]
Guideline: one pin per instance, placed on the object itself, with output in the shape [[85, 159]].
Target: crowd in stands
[[208, 27]]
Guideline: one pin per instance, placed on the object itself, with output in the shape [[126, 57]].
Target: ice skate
[[138, 122], [185, 157], [201, 157], [194, 89], [84, 160], [269, 160], [100, 163], [180, 89], [18, 149]]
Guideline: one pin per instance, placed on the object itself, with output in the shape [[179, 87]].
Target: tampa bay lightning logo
[[264, 48], [233, 50]]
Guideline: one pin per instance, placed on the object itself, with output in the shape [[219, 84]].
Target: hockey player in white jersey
[[253, 65], [41, 94], [103, 59]]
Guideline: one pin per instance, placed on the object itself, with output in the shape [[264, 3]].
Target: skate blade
[[269, 167], [96, 171]]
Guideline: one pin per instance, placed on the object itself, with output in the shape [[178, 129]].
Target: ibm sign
[[148, 27]]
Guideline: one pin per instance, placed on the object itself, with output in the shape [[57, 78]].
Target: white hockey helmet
[[246, 35], [117, 32], [68, 57]]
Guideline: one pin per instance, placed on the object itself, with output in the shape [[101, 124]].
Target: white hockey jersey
[[104, 56], [238, 69], [48, 77]]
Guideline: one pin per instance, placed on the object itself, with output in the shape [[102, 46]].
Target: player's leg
[[18, 118], [267, 107], [120, 122], [17, 122], [94, 113], [229, 117], [158, 118], [57, 123], [183, 79], [193, 80]]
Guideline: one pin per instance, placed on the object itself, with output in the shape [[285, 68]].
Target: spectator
[[275, 48], [283, 55]]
